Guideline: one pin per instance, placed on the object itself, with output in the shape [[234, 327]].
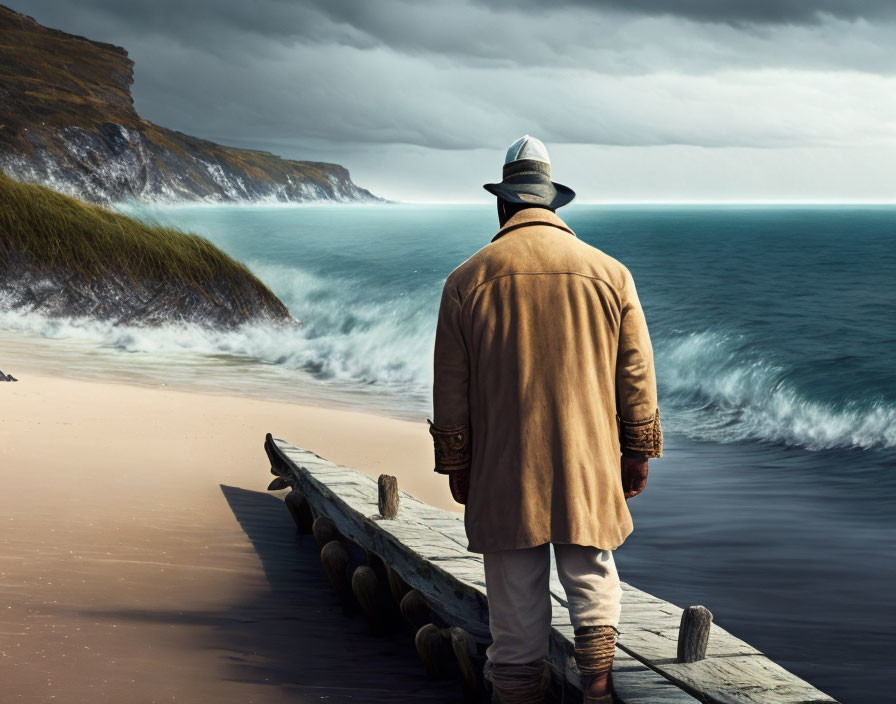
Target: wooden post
[[365, 585], [335, 561], [414, 609], [429, 642], [693, 635], [387, 496], [324, 531], [464, 649], [300, 510]]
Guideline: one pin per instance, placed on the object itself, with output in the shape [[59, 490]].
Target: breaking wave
[[343, 338], [349, 335], [720, 387]]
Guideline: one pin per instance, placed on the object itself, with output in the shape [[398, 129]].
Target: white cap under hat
[[527, 147]]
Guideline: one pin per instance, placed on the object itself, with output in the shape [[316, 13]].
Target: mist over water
[[774, 336]]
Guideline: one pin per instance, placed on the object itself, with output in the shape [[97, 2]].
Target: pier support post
[[464, 650], [414, 609], [693, 635], [335, 561], [300, 511], [387, 495], [365, 585], [430, 644], [324, 531]]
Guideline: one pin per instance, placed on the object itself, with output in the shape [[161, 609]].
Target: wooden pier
[[416, 554]]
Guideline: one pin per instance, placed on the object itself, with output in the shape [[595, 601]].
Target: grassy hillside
[[46, 234]]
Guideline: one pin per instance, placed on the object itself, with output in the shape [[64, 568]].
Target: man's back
[[541, 317], [543, 379]]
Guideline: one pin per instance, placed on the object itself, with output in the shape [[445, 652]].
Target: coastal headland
[[67, 119]]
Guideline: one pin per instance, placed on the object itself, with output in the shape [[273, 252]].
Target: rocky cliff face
[[67, 119]]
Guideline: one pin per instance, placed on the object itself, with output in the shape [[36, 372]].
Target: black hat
[[527, 177]]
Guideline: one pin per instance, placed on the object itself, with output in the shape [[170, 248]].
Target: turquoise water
[[775, 340]]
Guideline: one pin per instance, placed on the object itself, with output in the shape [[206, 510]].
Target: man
[[545, 414]]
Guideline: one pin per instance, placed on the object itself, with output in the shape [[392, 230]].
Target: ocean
[[775, 341]]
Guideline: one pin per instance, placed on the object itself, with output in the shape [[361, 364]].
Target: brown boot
[[519, 684]]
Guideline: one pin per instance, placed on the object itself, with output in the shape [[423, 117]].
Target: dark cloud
[[618, 36], [726, 11]]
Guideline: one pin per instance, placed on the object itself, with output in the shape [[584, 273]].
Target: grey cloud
[[726, 11], [455, 76]]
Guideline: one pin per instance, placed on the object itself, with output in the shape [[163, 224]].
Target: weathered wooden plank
[[744, 680], [636, 684], [426, 547]]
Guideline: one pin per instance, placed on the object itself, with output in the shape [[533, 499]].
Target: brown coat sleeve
[[638, 415], [450, 428]]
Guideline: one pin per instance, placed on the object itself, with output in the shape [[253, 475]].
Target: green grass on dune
[[52, 233]]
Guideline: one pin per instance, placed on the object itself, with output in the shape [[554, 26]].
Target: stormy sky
[[637, 100]]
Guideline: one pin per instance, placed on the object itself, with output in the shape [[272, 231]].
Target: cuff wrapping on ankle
[[520, 684], [595, 647]]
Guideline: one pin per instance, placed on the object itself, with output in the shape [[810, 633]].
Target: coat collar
[[533, 216]]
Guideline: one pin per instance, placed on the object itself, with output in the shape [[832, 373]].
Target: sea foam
[[725, 389]]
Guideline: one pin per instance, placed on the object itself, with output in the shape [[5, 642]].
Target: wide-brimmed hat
[[527, 177]]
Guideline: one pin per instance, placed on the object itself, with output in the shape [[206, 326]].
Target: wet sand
[[142, 560]]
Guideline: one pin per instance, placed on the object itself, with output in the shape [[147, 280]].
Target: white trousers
[[519, 601]]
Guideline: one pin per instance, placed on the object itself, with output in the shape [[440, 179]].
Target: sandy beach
[[142, 559]]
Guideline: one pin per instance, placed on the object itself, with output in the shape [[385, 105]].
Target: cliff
[[60, 256], [67, 120]]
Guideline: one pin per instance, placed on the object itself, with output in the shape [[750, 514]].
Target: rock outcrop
[[67, 120]]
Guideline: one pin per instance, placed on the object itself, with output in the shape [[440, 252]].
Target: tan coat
[[541, 342]]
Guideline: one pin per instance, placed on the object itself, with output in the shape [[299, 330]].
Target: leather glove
[[459, 483]]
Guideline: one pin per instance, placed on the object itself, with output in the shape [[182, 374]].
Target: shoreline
[[91, 361], [379, 442]]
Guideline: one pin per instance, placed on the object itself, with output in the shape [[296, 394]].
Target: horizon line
[[666, 202]]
